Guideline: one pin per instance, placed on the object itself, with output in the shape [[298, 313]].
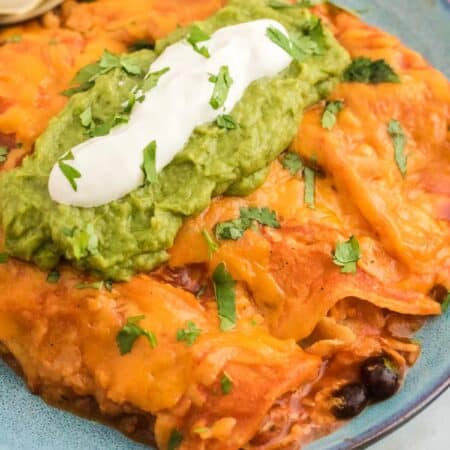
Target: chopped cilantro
[[68, 171], [85, 242], [75, 90], [149, 165], [108, 61], [226, 384], [263, 216], [234, 229], [95, 285], [395, 130], [189, 334], [4, 257], [152, 78], [175, 440], [332, 108], [226, 121], [312, 43], [85, 78], [212, 245], [130, 332], [310, 186], [347, 254], [364, 70], [197, 35], [3, 153], [292, 162], [87, 73], [129, 67], [446, 303], [280, 39], [53, 277], [222, 83], [225, 297]]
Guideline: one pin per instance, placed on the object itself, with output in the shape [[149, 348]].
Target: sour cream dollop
[[110, 166]]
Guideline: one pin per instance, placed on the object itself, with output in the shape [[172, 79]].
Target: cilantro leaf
[[226, 121], [347, 254], [129, 67], [292, 163], [264, 216], [130, 332], [332, 108], [310, 186], [234, 229], [283, 41], [197, 35], [175, 440], [189, 334], [75, 90], [312, 43], [86, 76], [4, 258], [222, 83], [87, 73], [70, 173], [299, 47], [225, 296], [226, 384], [149, 165], [53, 277], [152, 79], [212, 245], [397, 134], [108, 61], [94, 285], [446, 303], [85, 242], [364, 70], [3, 153]]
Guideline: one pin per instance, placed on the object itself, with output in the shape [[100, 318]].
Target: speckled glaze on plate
[[27, 423]]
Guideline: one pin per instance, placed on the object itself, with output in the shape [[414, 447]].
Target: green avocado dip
[[133, 234]]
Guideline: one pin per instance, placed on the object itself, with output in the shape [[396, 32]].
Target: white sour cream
[[110, 166]]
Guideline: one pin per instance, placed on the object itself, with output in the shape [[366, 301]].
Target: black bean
[[380, 376], [438, 293], [349, 400]]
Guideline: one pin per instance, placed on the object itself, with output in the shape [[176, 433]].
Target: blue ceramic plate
[[26, 423]]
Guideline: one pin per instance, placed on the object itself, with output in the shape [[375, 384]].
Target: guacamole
[[134, 233]]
